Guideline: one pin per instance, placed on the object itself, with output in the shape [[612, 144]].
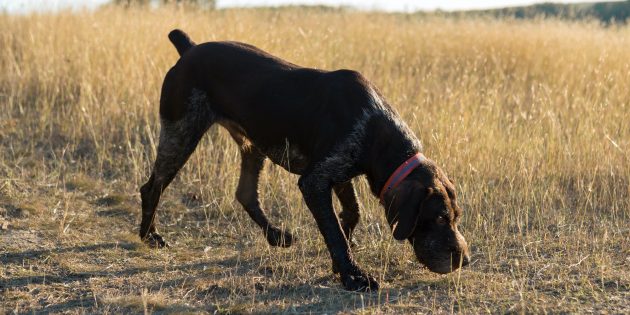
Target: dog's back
[[273, 101]]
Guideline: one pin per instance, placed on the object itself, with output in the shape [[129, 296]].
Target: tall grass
[[531, 119]]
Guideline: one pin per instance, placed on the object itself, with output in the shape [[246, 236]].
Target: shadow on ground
[[317, 294]]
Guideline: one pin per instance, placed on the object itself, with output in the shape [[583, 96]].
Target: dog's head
[[423, 209]]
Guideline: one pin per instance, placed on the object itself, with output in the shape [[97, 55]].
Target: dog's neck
[[389, 144]]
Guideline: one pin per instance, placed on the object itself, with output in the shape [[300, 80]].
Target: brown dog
[[327, 127]]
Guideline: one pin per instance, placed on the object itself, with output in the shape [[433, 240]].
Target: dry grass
[[532, 119]]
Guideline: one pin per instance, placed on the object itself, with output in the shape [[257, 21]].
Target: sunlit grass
[[531, 119]]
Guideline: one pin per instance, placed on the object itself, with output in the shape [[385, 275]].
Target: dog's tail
[[181, 41]]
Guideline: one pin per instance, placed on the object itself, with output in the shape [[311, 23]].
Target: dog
[[326, 126]]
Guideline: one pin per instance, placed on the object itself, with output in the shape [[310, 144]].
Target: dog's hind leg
[[178, 141], [247, 194], [351, 208], [173, 151]]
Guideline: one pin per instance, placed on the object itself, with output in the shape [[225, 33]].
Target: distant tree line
[[607, 12], [200, 3], [612, 11]]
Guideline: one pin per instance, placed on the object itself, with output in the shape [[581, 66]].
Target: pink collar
[[401, 173]]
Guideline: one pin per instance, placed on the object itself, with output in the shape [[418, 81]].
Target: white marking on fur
[[344, 155], [338, 165], [178, 138], [402, 126], [394, 118]]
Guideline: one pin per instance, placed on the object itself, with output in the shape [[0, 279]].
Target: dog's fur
[[326, 126]]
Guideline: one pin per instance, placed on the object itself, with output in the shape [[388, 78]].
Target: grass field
[[531, 119]]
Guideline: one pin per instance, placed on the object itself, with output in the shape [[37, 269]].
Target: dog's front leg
[[317, 193]]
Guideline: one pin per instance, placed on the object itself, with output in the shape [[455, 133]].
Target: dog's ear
[[403, 205]]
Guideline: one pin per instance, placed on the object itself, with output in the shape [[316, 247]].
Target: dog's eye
[[441, 220]]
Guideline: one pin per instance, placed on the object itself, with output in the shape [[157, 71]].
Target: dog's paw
[[279, 238], [359, 281], [155, 240]]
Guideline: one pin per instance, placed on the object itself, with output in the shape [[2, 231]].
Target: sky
[[25, 6]]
